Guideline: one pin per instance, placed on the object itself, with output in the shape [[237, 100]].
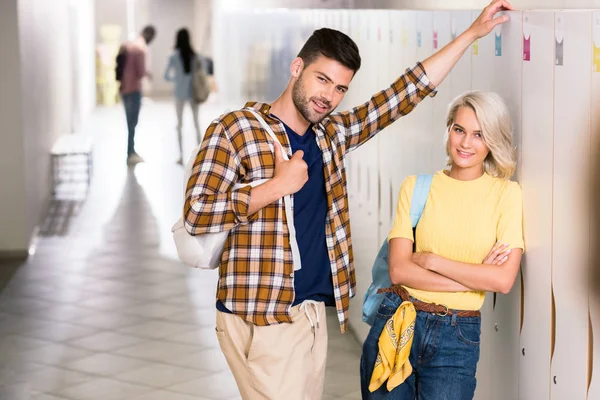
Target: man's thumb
[[298, 155]]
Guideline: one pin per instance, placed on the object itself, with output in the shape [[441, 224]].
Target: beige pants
[[277, 362]]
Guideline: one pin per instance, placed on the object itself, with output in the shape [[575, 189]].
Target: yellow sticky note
[[596, 58], [476, 47], [404, 37]]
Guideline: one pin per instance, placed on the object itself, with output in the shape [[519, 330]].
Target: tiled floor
[[106, 311]]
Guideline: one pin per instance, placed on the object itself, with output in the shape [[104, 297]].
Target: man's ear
[[296, 67]]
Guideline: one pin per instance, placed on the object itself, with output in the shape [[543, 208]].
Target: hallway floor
[[103, 309]]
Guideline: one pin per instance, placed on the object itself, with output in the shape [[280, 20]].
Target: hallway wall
[[48, 90], [13, 232]]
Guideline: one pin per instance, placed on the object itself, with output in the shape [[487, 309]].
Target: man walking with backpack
[[131, 69], [271, 321]]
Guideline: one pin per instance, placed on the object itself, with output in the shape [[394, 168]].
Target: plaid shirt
[[256, 275]]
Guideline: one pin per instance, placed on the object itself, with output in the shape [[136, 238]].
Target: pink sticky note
[[527, 48]]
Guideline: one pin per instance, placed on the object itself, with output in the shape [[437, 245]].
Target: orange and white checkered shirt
[[256, 275]]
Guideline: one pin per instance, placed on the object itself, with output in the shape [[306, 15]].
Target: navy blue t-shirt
[[313, 281]]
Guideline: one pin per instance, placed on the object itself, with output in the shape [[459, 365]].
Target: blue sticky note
[[498, 45]]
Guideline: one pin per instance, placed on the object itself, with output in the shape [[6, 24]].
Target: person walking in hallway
[[180, 70], [134, 70], [274, 281]]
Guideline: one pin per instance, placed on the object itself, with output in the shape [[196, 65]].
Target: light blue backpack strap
[[380, 271], [419, 198]]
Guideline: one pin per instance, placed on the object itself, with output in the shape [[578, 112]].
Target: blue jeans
[[132, 103], [444, 356]]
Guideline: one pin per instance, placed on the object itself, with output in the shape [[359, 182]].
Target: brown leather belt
[[438, 309]]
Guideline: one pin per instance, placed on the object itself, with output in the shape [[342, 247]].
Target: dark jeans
[[444, 356], [132, 103]]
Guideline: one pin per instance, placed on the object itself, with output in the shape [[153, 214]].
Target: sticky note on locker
[[559, 43], [475, 47], [526, 40], [498, 43], [498, 40]]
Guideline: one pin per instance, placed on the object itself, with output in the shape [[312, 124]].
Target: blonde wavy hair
[[496, 130]]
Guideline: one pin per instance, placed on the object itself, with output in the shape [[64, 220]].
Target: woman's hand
[[498, 255]]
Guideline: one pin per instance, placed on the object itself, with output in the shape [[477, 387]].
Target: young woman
[[180, 69], [472, 207]]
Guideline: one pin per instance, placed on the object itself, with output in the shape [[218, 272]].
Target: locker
[[594, 389], [406, 32], [369, 151], [482, 63], [537, 179], [442, 27], [460, 77], [504, 321], [345, 21], [397, 65], [364, 216], [420, 141], [570, 220], [351, 99], [385, 150]]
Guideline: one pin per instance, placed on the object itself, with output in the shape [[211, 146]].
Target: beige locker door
[[537, 149], [365, 216], [482, 62], [570, 217], [353, 173], [385, 147], [406, 32], [442, 28], [506, 44], [392, 143], [345, 21], [419, 157], [370, 150], [350, 99], [407, 124], [594, 390], [460, 77]]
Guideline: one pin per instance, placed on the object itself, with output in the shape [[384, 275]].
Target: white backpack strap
[[287, 200]]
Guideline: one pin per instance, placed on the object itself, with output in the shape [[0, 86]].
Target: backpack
[[206, 250], [120, 63], [200, 84], [209, 66], [380, 270]]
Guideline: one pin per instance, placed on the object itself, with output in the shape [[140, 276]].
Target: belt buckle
[[445, 312]]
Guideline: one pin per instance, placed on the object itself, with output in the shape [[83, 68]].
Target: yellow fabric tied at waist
[[395, 341]]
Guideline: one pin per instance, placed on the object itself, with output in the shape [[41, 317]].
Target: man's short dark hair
[[331, 44]]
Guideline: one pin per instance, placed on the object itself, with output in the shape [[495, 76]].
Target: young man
[[271, 319], [131, 85]]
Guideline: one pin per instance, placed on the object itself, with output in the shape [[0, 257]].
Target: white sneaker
[[134, 158]]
